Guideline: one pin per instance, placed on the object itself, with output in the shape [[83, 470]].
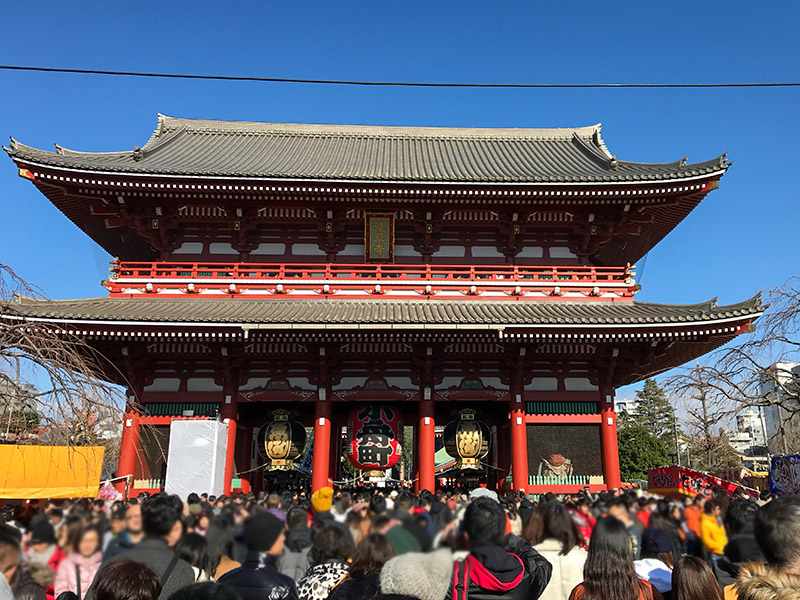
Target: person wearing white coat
[[558, 540]]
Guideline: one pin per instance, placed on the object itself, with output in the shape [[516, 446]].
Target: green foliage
[[640, 451], [21, 420], [654, 411]]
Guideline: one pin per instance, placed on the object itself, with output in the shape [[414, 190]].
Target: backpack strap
[[78, 579], [168, 572], [460, 580]]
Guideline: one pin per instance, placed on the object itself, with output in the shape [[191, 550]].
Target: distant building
[[626, 405], [782, 385]]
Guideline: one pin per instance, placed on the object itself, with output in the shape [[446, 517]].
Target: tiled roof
[[370, 153], [358, 312]]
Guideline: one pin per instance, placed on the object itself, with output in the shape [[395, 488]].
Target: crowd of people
[[392, 544]]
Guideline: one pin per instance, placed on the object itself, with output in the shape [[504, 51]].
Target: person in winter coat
[[43, 548], [559, 542], [258, 578], [609, 573], [777, 531], [129, 537], [160, 514], [742, 547], [497, 566], [363, 577], [657, 558], [76, 572], [330, 553], [418, 575], [34, 580], [294, 561], [712, 533]]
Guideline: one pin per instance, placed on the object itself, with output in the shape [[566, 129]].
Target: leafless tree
[[74, 404], [748, 373]]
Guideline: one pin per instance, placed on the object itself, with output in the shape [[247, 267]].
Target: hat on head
[[43, 533], [426, 576], [322, 499], [483, 493], [656, 541], [261, 531], [402, 540]]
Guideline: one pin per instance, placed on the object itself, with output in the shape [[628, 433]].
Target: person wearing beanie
[[44, 550], [258, 577], [322, 499], [424, 576], [657, 559]]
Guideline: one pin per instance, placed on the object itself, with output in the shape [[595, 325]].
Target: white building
[[782, 385], [626, 405]]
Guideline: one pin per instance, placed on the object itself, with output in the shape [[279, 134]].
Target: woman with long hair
[[692, 579], [363, 578], [220, 536], [559, 541], [608, 573], [193, 548]]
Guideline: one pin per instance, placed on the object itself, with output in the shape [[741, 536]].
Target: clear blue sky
[[743, 238]]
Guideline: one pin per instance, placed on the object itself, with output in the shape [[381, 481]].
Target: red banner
[[668, 481], [374, 433]]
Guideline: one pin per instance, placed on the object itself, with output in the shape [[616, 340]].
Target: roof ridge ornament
[[722, 159], [682, 162], [138, 153], [613, 163]]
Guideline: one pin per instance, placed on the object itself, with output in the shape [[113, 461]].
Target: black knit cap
[[261, 531], [43, 533]]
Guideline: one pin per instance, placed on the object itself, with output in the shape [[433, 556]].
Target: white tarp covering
[[196, 458]]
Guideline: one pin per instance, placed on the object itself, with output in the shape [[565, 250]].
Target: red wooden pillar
[[128, 450], [229, 414], [426, 451], [322, 441], [519, 439], [608, 438]]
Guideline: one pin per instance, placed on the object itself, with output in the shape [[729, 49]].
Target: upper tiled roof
[[204, 148], [356, 312]]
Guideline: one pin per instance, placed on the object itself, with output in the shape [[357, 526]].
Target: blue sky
[[742, 238]]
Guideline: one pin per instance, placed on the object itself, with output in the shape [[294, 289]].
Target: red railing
[[315, 279]]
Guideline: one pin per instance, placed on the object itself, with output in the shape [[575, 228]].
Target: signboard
[[374, 436], [50, 471], [378, 237], [672, 481], [784, 476]]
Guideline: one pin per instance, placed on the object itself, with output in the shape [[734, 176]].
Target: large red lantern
[[374, 431]]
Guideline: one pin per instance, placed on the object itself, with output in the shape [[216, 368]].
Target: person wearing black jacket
[[498, 566], [258, 577]]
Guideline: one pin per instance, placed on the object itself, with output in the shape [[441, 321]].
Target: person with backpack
[[498, 567]]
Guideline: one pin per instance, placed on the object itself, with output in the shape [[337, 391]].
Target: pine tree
[[655, 413]]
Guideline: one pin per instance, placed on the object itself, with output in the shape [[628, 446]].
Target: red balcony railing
[[312, 280]]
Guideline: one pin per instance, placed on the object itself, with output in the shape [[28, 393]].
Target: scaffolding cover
[[28, 472], [196, 458]]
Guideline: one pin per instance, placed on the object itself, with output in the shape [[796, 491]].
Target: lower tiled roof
[[376, 311]]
